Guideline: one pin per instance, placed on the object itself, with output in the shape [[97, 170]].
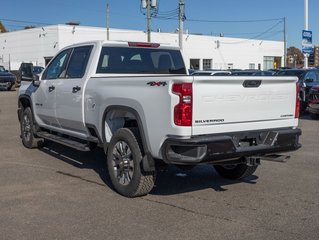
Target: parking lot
[[59, 193]]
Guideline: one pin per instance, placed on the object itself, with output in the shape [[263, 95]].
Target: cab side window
[[56, 69], [78, 62]]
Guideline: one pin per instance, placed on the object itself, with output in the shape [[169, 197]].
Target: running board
[[64, 141], [275, 158]]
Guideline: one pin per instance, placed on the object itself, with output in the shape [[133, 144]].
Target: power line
[[246, 33], [257, 36], [234, 21], [20, 21]]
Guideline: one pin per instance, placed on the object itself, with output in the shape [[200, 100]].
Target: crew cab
[[137, 101]]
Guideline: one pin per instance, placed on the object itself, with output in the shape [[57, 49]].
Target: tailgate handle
[[251, 83]]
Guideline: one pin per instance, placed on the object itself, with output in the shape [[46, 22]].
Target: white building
[[39, 45]]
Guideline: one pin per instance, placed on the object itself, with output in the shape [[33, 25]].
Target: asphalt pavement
[[59, 193]]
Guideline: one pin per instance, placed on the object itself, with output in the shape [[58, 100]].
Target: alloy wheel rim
[[26, 128], [122, 163]]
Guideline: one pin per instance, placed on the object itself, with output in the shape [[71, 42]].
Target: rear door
[[70, 90], [224, 104]]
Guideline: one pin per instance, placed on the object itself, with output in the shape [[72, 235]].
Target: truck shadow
[[169, 182], [176, 181], [308, 117]]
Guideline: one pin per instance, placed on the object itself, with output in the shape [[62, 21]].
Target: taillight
[[297, 109], [183, 111]]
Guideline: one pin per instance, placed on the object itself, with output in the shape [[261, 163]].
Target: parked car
[[191, 71], [308, 78], [245, 72], [7, 79], [25, 73], [264, 73], [313, 102], [211, 73]]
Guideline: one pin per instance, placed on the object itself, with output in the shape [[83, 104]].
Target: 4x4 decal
[[157, 84]]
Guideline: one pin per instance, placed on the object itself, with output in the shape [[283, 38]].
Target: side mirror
[[6, 70], [27, 73], [36, 80]]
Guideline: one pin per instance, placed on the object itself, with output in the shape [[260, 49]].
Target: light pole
[[107, 21], [285, 44], [306, 28]]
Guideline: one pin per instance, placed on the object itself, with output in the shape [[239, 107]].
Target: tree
[[295, 53], [2, 28]]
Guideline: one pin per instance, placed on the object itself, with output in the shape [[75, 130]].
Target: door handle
[[251, 83], [51, 88], [76, 89]]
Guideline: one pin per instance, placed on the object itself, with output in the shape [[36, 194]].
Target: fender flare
[[24, 96], [147, 161]]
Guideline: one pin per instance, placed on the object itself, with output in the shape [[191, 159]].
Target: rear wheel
[[235, 172], [12, 88], [124, 162]]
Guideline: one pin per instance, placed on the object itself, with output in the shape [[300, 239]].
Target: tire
[[124, 163], [12, 88], [27, 129], [235, 172]]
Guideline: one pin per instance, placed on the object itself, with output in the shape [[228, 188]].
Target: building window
[[207, 64], [268, 63], [194, 64], [251, 65]]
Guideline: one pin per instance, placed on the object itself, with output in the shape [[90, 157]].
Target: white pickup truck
[[137, 101]]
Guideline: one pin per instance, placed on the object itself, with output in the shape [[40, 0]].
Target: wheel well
[[116, 119], [24, 103]]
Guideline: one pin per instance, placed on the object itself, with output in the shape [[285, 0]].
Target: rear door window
[[140, 60], [78, 62]]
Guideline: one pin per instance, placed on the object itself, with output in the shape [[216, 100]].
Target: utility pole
[[107, 21], [306, 28], [181, 23], [285, 43], [150, 6], [149, 20]]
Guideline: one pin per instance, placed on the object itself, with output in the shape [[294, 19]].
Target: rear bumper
[[222, 148]]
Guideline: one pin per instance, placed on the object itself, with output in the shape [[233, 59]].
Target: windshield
[[2, 69], [140, 60]]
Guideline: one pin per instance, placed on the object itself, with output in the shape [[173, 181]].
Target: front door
[[45, 96]]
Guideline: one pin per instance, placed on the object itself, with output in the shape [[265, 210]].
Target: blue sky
[[127, 14]]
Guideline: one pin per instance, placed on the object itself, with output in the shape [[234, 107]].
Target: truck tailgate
[[226, 104]]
